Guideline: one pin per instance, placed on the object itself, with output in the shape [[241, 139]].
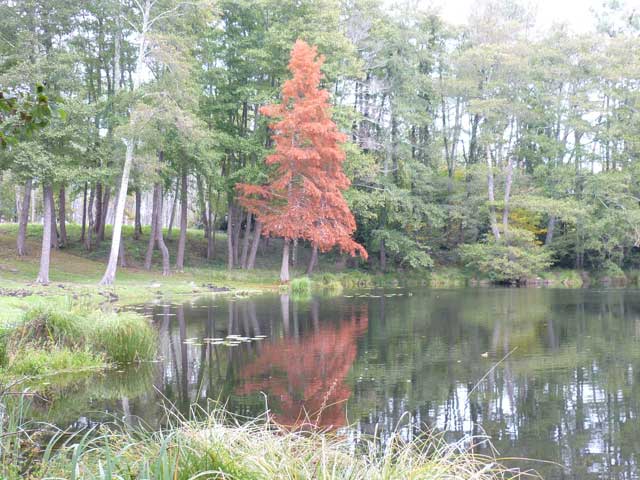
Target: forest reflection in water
[[567, 393]]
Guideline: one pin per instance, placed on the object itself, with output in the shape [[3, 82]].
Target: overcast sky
[[576, 13]]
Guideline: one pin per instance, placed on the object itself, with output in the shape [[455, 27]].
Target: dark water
[[568, 390]]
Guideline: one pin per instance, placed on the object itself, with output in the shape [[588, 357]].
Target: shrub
[[507, 260]]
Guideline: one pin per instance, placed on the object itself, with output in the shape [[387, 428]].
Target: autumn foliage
[[303, 198]]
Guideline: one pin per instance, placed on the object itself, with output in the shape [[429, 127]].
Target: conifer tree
[[303, 199]]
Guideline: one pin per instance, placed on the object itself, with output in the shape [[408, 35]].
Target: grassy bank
[[56, 336], [219, 446]]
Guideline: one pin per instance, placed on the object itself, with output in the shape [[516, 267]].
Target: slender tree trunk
[[105, 208], [492, 198], [383, 257], [173, 208], [54, 225], [550, 229], [202, 206], [166, 270], [237, 227], [314, 259], [230, 237], [182, 241], [507, 196], [294, 252], [245, 242], [24, 219], [251, 262], [90, 227], [84, 214], [284, 269], [45, 255], [154, 225], [137, 229], [121, 254], [211, 238], [62, 211], [97, 218], [110, 273]]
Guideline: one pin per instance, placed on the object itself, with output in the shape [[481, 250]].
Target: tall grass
[[124, 337], [301, 286], [222, 447]]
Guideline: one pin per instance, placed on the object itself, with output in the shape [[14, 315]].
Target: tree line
[[496, 145]]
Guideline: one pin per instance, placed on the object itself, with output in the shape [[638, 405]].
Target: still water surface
[[548, 374]]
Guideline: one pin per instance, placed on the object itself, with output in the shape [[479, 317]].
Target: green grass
[[63, 335], [221, 446], [300, 286]]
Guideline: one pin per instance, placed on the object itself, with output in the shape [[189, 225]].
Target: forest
[[495, 146]]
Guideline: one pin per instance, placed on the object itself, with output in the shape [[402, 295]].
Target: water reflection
[[565, 388]]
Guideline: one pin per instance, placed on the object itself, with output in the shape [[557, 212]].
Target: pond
[[548, 374]]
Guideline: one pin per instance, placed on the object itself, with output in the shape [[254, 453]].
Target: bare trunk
[[154, 225], [383, 256], [314, 259], [284, 269], [211, 233], [294, 252], [237, 227], [98, 204], [202, 206], [137, 229], [62, 214], [182, 242], [173, 209], [159, 237], [507, 195], [90, 227], [492, 198], [54, 226], [230, 237], [24, 219], [45, 255], [110, 274], [105, 209], [84, 214], [121, 254], [245, 242], [550, 229], [251, 262]]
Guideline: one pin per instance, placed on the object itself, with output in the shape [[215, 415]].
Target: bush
[[508, 260], [123, 337]]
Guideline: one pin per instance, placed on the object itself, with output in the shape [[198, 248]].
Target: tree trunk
[[230, 237], [245, 242], [105, 208], [137, 229], [62, 214], [121, 254], [24, 219], [284, 269], [173, 209], [97, 219], [492, 199], [507, 195], [166, 270], [211, 238], [314, 259], [294, 252], [551, 226], [90, 227], [54, 224], [154, 225], [237, 227], [45, 256], [383, 257], [110, 274], [182, 242], [84, 214], [202, 206], [251, 262]]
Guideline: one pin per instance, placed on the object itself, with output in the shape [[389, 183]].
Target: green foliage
[[408, 252], [513, 260], [35, 361], [301, 286]]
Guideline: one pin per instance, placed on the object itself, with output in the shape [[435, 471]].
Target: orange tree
[[303, 198]]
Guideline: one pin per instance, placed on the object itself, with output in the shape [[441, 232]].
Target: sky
[[576, 13]]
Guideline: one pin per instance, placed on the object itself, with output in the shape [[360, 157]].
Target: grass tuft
[[124, 337], [301, 286]]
